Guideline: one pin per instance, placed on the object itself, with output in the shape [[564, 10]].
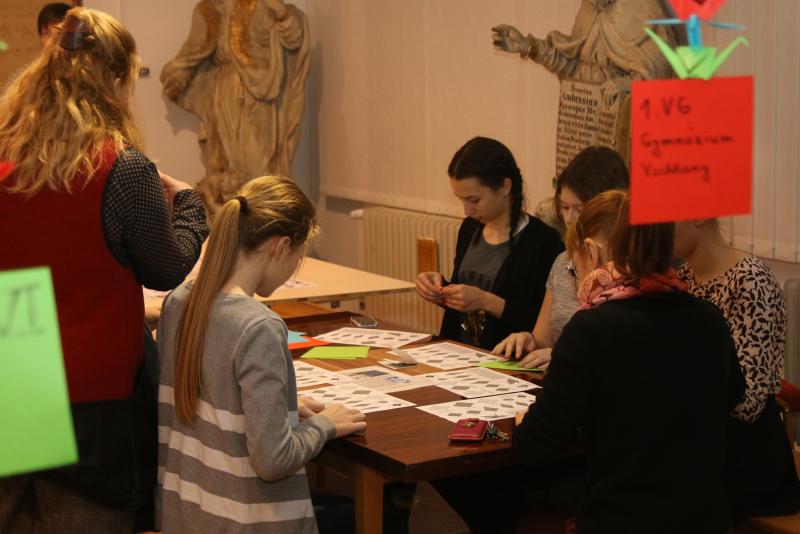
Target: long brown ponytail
[[270, 206]]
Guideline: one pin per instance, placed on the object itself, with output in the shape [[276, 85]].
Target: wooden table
[[405, 444], [331, 283], [334, 282]]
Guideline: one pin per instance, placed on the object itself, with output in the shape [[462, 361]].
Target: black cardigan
[[520, 281], [650, 382]]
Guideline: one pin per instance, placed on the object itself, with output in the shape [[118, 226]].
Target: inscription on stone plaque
[[585, 119]]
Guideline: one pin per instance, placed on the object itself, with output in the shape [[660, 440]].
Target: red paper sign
[[704, 9], [6, 168], [691, 149]]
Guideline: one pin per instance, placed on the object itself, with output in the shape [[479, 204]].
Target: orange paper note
[[307, 344], [691, 149]]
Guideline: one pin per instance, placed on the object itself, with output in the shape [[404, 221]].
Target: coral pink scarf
[[606, 283]]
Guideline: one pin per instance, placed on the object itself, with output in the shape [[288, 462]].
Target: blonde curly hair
[[67, 106]]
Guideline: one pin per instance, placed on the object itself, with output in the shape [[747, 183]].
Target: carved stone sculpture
[[596, 63], [607, 45], [242, 71]]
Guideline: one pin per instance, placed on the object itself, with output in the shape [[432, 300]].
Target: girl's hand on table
[[538, 358], [345, 420], [307, 407], [515, 346]]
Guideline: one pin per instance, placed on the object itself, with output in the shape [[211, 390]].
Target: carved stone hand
[[278, 8], [509, 39], [176, 83]]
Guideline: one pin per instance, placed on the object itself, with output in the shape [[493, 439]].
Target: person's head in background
[[49, 19], [603, 234], [695, 236], [485, 177], [594, 170], [256, 243], [74, 99]]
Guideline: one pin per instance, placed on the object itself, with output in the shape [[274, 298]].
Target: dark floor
[[429, 512]]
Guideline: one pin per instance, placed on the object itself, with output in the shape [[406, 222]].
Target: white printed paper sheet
[[372, 337], [311, 375], [450, 356], [357, 397], [382, 379], [478, 382], [488, 408]]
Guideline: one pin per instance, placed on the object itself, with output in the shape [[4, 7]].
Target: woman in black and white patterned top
[[761, 474]]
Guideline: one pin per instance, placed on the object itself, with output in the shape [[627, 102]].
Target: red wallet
[[468, 430]]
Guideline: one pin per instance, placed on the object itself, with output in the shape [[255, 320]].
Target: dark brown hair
[[491, 162], [594, 170], [636, 250], [51, 14]]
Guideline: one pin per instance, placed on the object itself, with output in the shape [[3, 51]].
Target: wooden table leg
[[368, 493]]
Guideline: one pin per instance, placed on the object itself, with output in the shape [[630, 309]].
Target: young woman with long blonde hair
[[86, 202], [234, 436]]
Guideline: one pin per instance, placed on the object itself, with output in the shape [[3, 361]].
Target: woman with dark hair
[[503, 255], [594, 170]]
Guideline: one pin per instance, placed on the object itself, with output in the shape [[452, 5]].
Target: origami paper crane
[[695, 60]]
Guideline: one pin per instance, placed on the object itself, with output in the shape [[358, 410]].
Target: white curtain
[[773, 229]]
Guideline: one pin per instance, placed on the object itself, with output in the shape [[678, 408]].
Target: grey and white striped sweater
[[240, 466]]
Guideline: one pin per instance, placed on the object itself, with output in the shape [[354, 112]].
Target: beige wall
[[395, 87]]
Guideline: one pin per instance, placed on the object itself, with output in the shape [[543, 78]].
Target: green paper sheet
[[336, 353], [509, 366], [34, 404]]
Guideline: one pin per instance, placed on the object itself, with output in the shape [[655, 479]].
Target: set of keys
[[492, 432]]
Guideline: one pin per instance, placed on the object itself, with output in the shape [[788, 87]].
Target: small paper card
[[336, 353], [509, 366]]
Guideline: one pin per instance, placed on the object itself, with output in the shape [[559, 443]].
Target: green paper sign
[[509, 366], [336, 353], [35, 415]]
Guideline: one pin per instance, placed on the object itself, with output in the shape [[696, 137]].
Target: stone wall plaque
[[585, 119]]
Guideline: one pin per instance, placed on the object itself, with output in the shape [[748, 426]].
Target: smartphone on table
[[364, 321]]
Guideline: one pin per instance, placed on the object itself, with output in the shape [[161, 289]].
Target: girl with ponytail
[[503, 255], [234, 436]]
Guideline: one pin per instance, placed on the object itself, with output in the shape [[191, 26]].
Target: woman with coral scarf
[[642, 379], [648, 374]]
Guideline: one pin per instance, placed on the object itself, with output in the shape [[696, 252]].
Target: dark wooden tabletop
[[408, 444]]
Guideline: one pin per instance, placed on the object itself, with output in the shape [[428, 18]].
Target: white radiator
[[390, 249]]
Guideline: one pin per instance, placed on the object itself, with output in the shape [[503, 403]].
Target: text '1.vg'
[[691, 149]]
